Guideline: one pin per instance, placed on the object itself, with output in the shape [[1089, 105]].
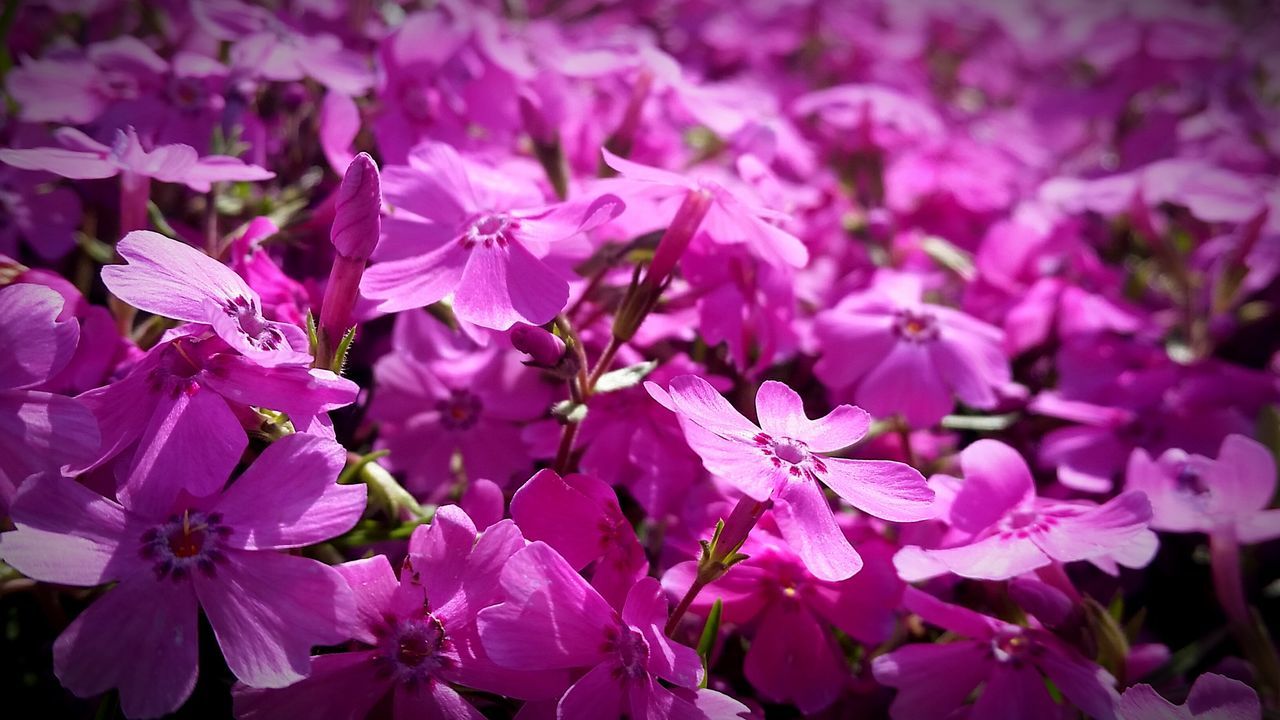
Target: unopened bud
[[357, 211], [678, 235], [543, 348]]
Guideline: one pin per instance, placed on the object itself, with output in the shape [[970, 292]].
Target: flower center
[[790, 455], [1024, 523], [410, 649], [191, 540], [1190, 480], [460, 411], [916, 327], [489, 230], [260, 332], [631, 650], [1011, 646]]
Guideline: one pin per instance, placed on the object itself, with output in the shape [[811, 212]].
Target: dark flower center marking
[[492, 230], [460, 411], [260, 332], [918, 327], [790, 455], [411, 649], [194, 539]]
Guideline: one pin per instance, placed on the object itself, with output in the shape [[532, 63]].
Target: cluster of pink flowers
[[582, 359]]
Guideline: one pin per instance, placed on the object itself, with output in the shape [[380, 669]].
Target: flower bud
[[543, 348], [357, 211], [678, 236]]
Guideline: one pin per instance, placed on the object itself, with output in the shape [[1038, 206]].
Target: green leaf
[[707, 640], [313, 338], [158, 220], [623, 378], [340, 355], [979, 423], [351, 473]]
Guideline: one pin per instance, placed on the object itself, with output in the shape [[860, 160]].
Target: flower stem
[[683, 606], [721, 552], [1228, 584]]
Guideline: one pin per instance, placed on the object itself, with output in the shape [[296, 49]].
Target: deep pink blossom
[[1010, 662], [784, 460], [417, 634], [1213, 697], [898, 355], [552, 619], [1000, 529], [170, 278], [481, 238], [1192, 493], [180, 542]]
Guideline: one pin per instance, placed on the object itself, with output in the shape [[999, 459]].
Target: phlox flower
[[40, 432], [1192, 493], [1000, 529], [416, 634], [781, 460], [1213, 697], [481, 237], [599, 532], [178, 542], [172, 279], [794, 656], [552, 619], [44, 221], [80, 157], [1011, 662], [438, 394], [901, 356]]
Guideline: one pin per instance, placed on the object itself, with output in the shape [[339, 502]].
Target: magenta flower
[[732, 218], [184, 396], [40, 432], [417, 635], [935, 679], [83, 158], [170, 278], [552, 619], [598, 532], [439, 395], [1213, 697], [180, 542], [481, 238], [780, 460], [1193, 493], [1000, 529], [794, 656], [901, 356], [46, 222]]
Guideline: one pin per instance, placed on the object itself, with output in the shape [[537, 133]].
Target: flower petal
[[596, 695], [342, 685], [809, 527], [170, 278], [889, 490], [268, 610], [932, 679], [289, 496], [996, 481], [36, 344], [501, 287]]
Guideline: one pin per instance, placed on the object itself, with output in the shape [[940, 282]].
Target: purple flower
[[170, 278], [901, 356], [40, 432], [781, 461], [181, 542], [480, 238], [83, 158], [417, 635], [1213, 697], [1000, 529], [433, 401], [598, 533], [45, 220], [552, 619], [1193, 493], [935, 679]]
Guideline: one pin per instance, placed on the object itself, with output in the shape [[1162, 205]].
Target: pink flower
[[437, 394], [83, 158], [934, 680], [182, 542], [733, 216], [478, 237], [1000, 529], [170, 278], [780, 460], [595, 531], [552, 619], [184, 398], [40, 432], [46, 222], [1193, 493], [794, 656], [901, 356], [417, 635], [1213, 697]]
